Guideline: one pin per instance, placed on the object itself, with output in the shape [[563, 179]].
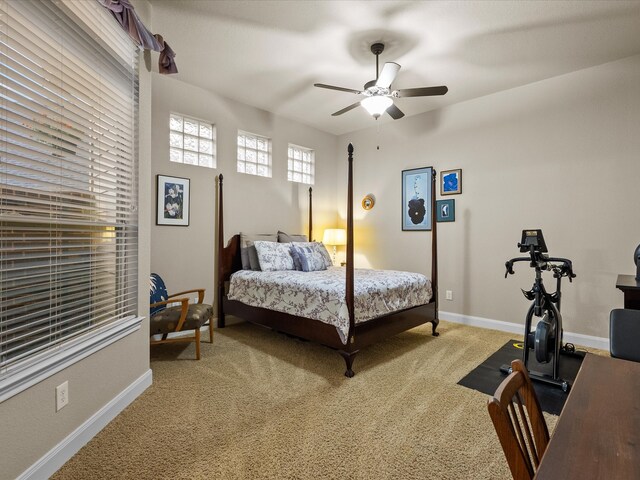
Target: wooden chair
[[519, 423], [164, 320]]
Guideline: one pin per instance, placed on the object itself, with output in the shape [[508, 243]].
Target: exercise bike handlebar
[[566, 269], [509, 264]]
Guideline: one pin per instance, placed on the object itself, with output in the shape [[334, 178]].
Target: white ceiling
[[268, 54]]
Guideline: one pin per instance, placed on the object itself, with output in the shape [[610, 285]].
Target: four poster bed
[[355, 333]]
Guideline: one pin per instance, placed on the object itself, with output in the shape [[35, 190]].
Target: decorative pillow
[[248, 251], [309, 256], [157, 292], [286, 238], [274, 256], [328, 261], [321, 249]]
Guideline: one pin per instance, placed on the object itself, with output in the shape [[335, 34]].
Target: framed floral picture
[[451, 182], [173, 201], [416, 198]]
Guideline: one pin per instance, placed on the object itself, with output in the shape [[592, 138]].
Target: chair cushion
[[167, 320], [157, 291], [624, 334]]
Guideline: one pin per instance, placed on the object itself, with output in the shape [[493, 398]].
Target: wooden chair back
[[519, 423]]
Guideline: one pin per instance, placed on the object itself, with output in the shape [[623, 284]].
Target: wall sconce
[[368, 201]]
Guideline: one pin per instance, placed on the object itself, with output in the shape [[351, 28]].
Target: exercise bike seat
[[624, 334]]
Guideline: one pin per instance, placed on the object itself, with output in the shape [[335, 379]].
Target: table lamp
[[334, 237]]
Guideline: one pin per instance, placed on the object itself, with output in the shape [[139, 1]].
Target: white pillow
[[274, 256]]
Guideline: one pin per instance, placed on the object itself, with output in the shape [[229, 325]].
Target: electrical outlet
[[62, 395], [449, 295]]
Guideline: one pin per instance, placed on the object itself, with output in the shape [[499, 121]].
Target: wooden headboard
[[229, 258]]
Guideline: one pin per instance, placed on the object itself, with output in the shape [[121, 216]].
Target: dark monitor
[[535, 238]]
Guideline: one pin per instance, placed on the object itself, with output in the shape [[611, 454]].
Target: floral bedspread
[[321, 295]]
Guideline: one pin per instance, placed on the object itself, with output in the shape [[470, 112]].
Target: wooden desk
[[598, 432], [631, 289]]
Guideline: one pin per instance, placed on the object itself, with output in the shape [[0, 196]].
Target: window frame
[[255, 150], [199, 137], [291, 160]]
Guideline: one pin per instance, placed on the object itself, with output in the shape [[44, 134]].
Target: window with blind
[[68, 177]]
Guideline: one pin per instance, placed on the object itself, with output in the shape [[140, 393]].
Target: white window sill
[[23, 375]]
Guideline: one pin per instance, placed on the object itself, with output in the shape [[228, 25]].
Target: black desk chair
[[624, 334]]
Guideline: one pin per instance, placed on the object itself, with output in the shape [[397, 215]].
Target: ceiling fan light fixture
[[376, 105]]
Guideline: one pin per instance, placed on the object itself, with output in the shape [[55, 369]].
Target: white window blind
[[68, 180], [300, 164]]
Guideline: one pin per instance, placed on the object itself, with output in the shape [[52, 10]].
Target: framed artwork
[[416, 199], [446, 210], [451, 182], [173, 201]]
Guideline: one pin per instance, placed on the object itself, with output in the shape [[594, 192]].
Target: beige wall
[[184, 256], [30, 426], [561, 155]]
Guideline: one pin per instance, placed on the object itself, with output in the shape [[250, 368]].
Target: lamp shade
[[335, 236], [376, 105]]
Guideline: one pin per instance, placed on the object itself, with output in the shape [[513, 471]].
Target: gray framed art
[[446, 210], [172, 206], [416, 199]]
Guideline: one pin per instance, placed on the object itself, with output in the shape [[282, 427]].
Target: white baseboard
[[568, 337], [67, 448]]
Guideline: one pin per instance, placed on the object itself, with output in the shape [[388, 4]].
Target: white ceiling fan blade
[[387, 75]]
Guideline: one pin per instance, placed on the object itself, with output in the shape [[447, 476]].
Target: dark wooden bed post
[[434, 252], [347, 353], [220, 248], [310, 214]]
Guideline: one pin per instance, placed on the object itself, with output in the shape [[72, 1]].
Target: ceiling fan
[[378, 93]]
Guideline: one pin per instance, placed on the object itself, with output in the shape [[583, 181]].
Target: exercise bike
[[546, 339]]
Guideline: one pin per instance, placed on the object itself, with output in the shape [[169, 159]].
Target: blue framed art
[[446, 210], [416, 199], [451, 182]]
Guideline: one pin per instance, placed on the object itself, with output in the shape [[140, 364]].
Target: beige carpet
[[261, 405]]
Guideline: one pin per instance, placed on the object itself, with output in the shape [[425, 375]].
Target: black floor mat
[[487, 376]]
